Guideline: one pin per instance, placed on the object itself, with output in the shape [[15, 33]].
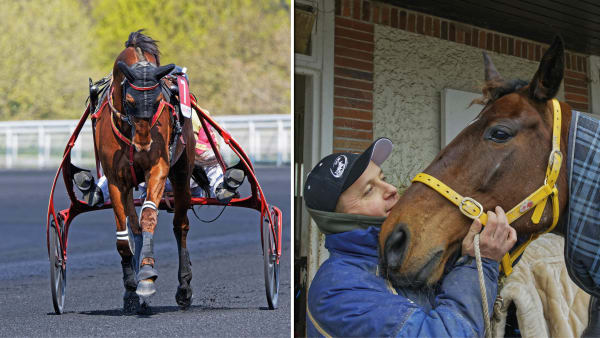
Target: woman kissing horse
[[500, 158], [138, 142]]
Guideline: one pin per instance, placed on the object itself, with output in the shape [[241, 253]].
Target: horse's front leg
[[155, 181], [123, 208], [181, 225]]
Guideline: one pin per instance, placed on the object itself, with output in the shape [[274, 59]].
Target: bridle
[[127, 117], [538, 199]]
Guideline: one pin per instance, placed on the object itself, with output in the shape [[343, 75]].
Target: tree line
[[237, 52]]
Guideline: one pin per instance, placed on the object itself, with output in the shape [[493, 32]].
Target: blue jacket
[[347, 298]]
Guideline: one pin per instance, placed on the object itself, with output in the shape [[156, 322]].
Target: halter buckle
[[551, 156], [551, 162], [463, 207]]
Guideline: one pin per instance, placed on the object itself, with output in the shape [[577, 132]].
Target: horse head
[[141, 97], [498, 159], [137, 90]]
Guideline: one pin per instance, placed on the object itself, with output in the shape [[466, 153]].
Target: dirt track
[[228, 284]]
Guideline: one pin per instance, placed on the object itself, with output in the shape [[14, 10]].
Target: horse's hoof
[[183, 297], [145, 288], [131, 302], [145, 308]]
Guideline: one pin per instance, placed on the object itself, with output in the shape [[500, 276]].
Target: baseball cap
[[336, 172]]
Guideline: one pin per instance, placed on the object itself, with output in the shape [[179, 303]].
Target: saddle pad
[[582, 242]]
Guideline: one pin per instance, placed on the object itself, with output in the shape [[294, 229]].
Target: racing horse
[[139, 140], [511, 149]]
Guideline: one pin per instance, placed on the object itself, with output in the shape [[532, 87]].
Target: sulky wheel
[[58, 273], [270, 260]]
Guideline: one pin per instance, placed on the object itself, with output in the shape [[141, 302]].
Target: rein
[[538, 199], [127, 118], [142, 88]]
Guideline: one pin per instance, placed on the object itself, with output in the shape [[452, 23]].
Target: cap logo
[[339, 165]]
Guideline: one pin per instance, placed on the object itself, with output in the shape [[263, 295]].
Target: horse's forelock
[[145, 43], [494, 89]]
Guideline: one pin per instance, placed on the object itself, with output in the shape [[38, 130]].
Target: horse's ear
[[163, 70], [547, 79], [124, 68], [491, 74]]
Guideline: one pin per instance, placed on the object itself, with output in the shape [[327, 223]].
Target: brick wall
[[353, 84], [353, 61]]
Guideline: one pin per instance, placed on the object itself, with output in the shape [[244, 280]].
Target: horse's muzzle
[[145, 147], [395, 247], [394, 255]]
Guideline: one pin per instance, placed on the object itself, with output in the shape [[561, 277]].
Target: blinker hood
[[142, 83], [145, 101]]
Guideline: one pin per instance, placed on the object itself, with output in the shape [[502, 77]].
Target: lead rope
[[484, 302]]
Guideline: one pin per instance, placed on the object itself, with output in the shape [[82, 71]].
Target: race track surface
[[228, 278]]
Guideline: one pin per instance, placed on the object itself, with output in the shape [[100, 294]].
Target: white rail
[[40, 144]]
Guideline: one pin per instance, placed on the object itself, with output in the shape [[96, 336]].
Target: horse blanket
[[582, 238]]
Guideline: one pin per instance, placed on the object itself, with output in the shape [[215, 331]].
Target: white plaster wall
[[410, 72]]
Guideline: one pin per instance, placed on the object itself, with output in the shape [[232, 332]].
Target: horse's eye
[[498, 134]]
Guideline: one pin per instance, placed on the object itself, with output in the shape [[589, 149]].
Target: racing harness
[[127, 117]]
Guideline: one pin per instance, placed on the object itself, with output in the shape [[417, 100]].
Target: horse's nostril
[[395, 245]]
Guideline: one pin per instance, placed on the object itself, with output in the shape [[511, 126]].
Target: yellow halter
[[473, 209]]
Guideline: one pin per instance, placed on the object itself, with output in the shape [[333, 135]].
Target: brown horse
[[134, 134], [498, 159]]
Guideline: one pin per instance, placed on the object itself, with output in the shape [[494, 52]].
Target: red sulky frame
[[58, 222]]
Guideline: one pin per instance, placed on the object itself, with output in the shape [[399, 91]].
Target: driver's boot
[[92, 194], [232, 180]]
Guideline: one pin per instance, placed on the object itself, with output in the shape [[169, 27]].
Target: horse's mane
[[145, 43], [495, 89]]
